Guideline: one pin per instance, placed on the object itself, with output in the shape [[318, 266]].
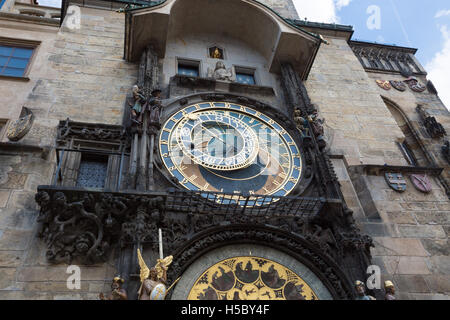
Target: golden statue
[[153, 280], [217, 54]]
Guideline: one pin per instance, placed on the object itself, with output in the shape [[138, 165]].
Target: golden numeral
[[293, 180], [206, 186], [185, 181], [171, 169], [252, 192], [165, 155], [271, 121], [275, 182], [164, 142], [193, 177], [282, 175]]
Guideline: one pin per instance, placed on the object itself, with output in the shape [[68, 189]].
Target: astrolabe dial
[[230, 148], [217, 140]]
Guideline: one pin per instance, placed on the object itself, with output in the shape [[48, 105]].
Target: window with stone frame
[[189, 68], [407, 153], [16, 56], [245, 75], [90, 156], [92, 171]]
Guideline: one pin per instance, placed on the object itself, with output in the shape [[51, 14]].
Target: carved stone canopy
[[247, 21]]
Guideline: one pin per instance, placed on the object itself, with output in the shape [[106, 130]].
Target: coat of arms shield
[[396, 181], [421, 182]]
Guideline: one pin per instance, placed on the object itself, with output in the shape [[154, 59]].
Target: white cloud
[[439, 68], [442, 13], [320, 10]]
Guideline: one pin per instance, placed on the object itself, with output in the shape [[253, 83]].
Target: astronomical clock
[[230, 148]]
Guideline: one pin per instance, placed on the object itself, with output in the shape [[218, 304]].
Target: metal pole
[[161, 254]]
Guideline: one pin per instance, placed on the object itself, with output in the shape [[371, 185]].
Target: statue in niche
[[155, 106], [138, 105], [222, 73], [216, 53]]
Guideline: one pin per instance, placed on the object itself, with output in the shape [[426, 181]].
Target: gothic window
[[14, 60], [189, 68], [92, 171], [408, 154]]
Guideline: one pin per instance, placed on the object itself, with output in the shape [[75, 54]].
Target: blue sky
[[424, 25], [420, 24]]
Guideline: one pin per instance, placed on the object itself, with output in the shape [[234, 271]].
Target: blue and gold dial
[[231, 148]]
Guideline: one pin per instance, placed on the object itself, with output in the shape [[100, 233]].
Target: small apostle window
[[189, 68], [245, 75], [216, 53], [92, 171]]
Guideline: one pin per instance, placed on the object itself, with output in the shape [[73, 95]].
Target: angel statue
[[153, 280]]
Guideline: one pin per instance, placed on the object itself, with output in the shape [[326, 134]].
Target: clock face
[[230, 148]]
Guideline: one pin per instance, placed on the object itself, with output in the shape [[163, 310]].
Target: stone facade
[[81, 74]]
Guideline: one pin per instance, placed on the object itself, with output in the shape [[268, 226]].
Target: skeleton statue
[[153, 280], [222, 73]]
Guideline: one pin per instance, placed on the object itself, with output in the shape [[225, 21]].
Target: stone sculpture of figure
[[153, 280], [390, 290], [117, 292], [317, 128], [139, 102], [361, 291], [222, 73], [155, 106], [217, 54]]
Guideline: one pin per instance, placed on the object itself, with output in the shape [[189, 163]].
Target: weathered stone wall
[[410, 229], [407, 102], [78, 74], [285, 8], [358, 123]]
